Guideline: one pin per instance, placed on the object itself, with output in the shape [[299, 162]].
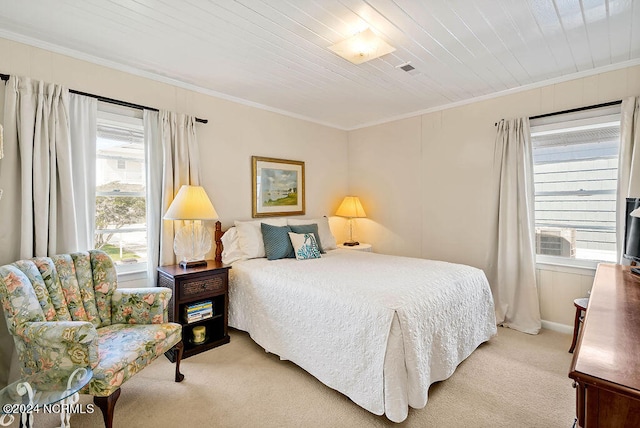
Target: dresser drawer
[[204, 285]]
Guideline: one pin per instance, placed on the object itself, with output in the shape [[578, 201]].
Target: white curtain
[[513, 281], [50, 136], [38, 113], [154, 162], [171, 149], [628, 165], [83, 113]]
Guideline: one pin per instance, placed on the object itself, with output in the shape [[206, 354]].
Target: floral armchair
[[65, 310]]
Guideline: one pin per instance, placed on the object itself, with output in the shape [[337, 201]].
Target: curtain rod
[[573, 110], [110, 100]]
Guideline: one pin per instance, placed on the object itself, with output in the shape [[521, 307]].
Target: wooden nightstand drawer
[[204, 286]]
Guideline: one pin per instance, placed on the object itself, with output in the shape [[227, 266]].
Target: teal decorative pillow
[[277, 244], [304, 246], [309, 228]]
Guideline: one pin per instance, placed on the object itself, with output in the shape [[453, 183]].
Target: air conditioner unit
[[556, 241]]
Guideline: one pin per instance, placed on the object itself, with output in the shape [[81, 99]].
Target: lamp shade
[[635, 213], [191, 203], [351, 207]]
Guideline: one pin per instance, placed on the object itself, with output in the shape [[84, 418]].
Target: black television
[[632, 234]]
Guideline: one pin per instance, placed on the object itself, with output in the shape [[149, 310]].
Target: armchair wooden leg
[[179, 349], [106, 405]]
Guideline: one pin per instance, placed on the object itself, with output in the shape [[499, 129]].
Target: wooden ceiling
[[273, 53]]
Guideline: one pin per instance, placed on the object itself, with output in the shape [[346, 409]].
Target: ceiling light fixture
[[361, 47]]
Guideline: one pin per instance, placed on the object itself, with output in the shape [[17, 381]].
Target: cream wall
[[428, 182], [385, 173]]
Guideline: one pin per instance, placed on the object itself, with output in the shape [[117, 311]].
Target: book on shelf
[[198, 316], [195, 307], [198, 311]]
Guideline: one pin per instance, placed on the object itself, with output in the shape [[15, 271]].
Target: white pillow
[[250, 236], [304, 246], [327, 240], [230, 246]]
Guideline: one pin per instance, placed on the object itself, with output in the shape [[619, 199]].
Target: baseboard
[[560, 328]]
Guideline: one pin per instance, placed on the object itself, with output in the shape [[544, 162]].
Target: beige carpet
[[514, 380]]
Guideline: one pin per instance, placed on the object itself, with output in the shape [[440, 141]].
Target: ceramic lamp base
[[191, 244]]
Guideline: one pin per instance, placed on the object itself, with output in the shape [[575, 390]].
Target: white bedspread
[[333, 317]]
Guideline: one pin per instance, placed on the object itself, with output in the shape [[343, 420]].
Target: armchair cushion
[[127, 349]]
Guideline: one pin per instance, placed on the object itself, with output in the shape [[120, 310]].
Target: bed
[[379, 329]]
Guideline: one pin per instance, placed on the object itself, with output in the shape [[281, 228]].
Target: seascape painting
[[277, 187]]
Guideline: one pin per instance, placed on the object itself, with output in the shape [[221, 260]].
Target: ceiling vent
[[408, 68]]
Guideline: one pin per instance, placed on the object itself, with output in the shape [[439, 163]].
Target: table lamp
[[193, 241], [351, 208]]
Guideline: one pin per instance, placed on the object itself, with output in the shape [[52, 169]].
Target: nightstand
[[200, 299], [361, 247]]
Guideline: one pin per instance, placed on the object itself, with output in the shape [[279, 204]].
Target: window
[[121, 228], [575, 175]]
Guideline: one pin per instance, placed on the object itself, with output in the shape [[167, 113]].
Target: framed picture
[[277, 187]]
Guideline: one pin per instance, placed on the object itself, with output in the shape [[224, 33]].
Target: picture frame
[[277, 187]]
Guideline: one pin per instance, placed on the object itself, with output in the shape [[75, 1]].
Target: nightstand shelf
[[198, 285]]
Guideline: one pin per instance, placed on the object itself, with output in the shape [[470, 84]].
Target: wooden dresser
[[606, 362]]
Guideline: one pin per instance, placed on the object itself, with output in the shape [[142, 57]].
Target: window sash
[[575, 179], [123, 128], [123, 194]]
